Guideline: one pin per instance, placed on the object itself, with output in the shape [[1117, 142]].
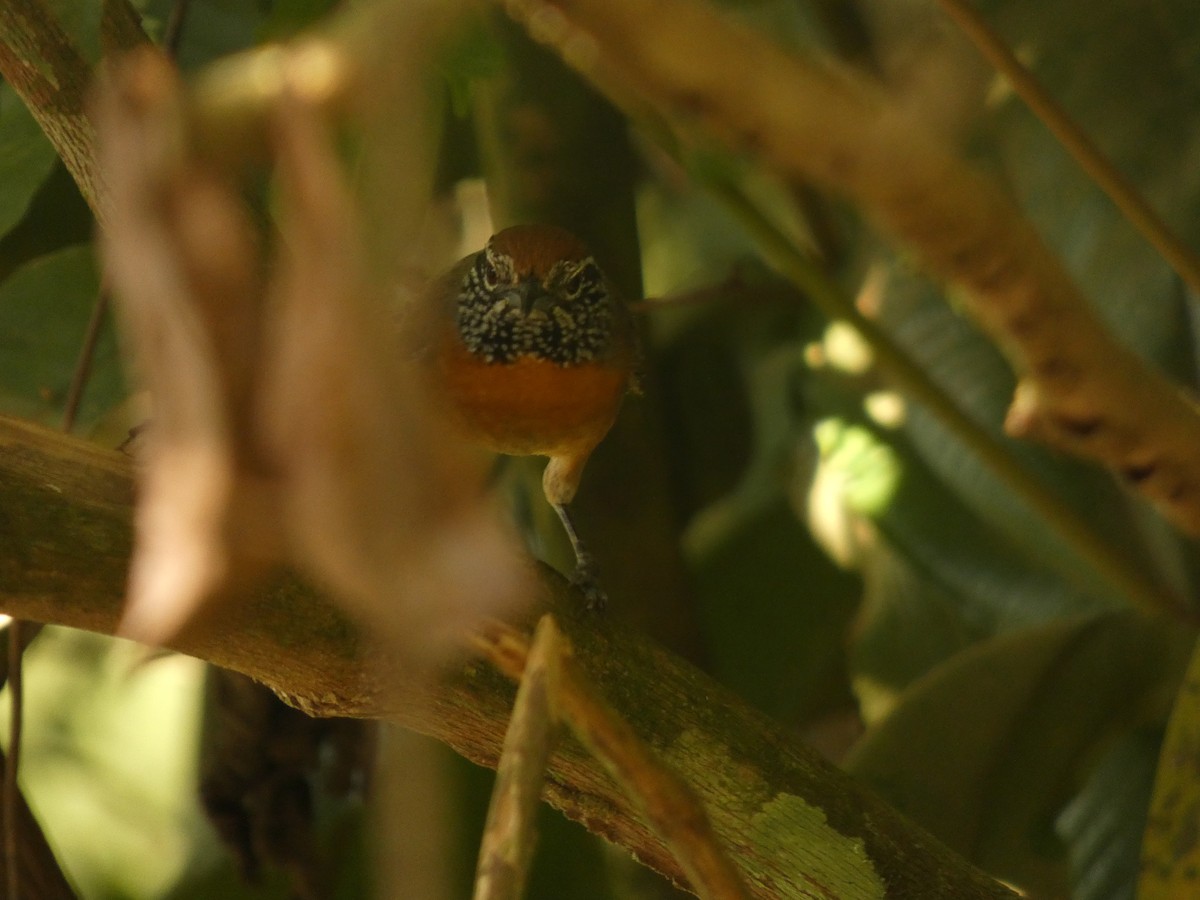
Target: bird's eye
[[578, 281], [488, 273]]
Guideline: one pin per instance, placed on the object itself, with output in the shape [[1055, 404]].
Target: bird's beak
[[528, 295]]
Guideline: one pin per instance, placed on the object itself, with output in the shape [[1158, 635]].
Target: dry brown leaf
[[285, 429], [357, 434], [181, 253]]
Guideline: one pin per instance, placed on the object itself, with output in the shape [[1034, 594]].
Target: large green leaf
[[986, 576], [1170, 849], [1130, 80], [44, 310], [971, 370], [774, 607], [1103, 825], [213, 28], [108, 761], [26, 158], [988, 748]]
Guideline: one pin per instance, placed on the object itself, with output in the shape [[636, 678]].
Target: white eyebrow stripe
[[566, 267]]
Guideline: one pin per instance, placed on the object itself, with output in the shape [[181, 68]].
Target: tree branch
[[48, 70], [796, 826]]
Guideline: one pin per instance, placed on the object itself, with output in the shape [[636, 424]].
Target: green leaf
[[109, 761], [80, 19], [1136, 98], [212, 28], [775, 609], [476, 53], [987, 579], [972, 371], [1103, 825], [988, 748], [44, 309], [1130, 80], [1171, 851], [26, 158], [288, 17]]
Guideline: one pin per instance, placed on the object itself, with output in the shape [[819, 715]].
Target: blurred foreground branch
[[796, 826], [553, 691]]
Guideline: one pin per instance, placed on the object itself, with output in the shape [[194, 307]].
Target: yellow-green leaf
[[1171, 846], [988, 748]]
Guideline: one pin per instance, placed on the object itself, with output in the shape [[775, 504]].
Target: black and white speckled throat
[[568, 332]]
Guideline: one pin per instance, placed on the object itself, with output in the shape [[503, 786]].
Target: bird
[[533, 353]]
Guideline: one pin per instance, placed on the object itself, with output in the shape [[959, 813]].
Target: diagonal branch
[[797, 827], [1080, 390], [48, 70]]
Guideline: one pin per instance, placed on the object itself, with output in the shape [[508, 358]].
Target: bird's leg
[[585, 577], [559, 482]]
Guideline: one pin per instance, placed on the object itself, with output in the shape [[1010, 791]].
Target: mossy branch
[[796, 826]]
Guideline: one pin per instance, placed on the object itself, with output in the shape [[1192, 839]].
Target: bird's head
[[535, 290]]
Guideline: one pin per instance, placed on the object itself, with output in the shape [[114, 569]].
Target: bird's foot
[[586, 579]]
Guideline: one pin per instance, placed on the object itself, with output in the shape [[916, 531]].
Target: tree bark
[[47, 68]]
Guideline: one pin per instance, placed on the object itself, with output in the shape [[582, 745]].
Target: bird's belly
[[531, 406]]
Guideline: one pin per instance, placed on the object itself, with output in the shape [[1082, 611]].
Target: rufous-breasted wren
[[533, 354]]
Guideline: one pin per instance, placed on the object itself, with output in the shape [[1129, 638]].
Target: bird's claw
[[586, 580]]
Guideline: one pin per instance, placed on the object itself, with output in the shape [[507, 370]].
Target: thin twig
[[1098, 167], [506, 850], [669, 806], [173, 33], [83, 364]]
